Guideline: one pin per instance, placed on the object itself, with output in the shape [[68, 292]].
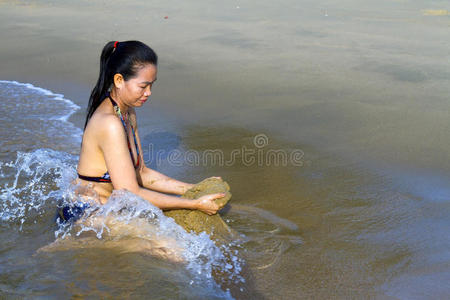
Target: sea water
[[39, 179], [360, 87]]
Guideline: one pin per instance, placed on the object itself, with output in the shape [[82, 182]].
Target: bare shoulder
[[107, 125]]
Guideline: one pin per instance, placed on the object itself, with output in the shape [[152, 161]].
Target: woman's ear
[[118, 80]]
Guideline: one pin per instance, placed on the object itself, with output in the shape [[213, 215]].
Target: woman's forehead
[[147, 73]]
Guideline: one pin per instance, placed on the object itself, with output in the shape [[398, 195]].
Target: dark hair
[[125, 58]]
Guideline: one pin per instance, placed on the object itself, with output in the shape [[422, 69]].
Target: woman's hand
[[207, 204]]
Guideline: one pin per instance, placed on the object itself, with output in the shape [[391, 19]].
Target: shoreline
[[338, 103], [365, 103]]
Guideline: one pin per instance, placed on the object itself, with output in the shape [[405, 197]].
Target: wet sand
[[362, 92]]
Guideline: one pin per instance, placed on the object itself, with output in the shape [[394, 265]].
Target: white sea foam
[[40, 179], [46, 92], [33, 180], [201, 255], [18, 93]]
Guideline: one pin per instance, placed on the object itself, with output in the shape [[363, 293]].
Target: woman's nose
[[148, 91]]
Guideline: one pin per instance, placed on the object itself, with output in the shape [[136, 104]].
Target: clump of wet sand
[[197, 221]]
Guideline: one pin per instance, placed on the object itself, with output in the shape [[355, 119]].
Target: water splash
[[33, 180], [126, 214], [39, 181]]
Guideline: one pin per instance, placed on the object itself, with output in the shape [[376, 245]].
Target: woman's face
[[135, 91]]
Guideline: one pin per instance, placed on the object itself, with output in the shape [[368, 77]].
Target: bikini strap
[[119, 113], [116, 108]]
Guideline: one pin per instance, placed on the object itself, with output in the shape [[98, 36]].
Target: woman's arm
[[112, 142], [165, 202], [152, 179], [157, 181]]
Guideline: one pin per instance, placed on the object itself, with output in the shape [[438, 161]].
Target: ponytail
[[102, 84], [124, 58]]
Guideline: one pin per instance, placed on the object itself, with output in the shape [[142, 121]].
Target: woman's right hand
[[207, 204]]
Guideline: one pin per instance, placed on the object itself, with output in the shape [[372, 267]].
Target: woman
[[111, 151]]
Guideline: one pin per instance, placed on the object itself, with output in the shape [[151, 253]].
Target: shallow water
[[39, 181], [360, 90]]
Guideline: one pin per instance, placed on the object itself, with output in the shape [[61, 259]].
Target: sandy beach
[[360, 91]]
